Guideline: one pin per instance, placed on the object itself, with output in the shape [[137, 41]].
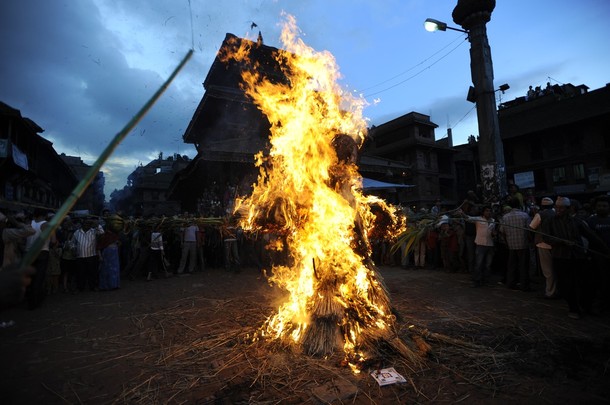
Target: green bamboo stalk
[[80, 188]]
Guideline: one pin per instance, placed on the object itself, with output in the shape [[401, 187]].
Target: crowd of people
[[94, 253], [538, 91], [564, 241]]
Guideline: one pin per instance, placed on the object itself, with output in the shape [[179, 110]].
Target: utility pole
[[473, 16]]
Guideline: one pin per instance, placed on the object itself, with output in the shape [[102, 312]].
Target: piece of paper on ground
[[387, 376]]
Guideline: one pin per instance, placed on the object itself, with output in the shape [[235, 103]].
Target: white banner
[[20, 158], [525, 180]]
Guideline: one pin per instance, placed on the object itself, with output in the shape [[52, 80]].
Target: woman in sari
[[110, 269]]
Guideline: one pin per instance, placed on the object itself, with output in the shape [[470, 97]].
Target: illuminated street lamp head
[[432, 25]]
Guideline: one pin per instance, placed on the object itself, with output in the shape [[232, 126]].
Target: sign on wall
[[20, 158], [525, 179]]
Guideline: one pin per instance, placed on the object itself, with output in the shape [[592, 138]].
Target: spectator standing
[[36, 291], [87, 255], [485, 228], [448, 242], [515, 194], [68, 261], [600, 224], [433, 246], [53, 269], [190, 242], [472, 197], [500, 259], [421, 245], [231, 249], [436, 208], [156, 256], [14, 231], [470, 233], [110, 268], [565, 235], [514, 226], [545, 258], [201, 246]]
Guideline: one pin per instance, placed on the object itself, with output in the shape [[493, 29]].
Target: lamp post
[[473, 16]]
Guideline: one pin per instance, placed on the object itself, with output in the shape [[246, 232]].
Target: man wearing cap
[[564, 233], [544, 249]]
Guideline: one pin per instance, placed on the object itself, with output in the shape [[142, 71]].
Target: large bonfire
[[308, 195]]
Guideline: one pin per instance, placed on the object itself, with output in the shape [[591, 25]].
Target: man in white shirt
[[484, 246], [87, 255], [190, 241], [36, 293]]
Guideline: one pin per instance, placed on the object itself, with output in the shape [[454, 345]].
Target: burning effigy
[[308, 195]]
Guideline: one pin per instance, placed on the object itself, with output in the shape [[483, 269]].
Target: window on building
[[579, 171], [555, 146], [536, 149], [559, 174], [540, 179], [576, 143], [429, 186], [424, 132], [427, 160]]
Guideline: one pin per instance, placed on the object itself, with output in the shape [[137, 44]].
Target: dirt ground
[[188, 340]]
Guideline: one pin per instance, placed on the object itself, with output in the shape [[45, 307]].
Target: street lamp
[[503, 87], [473, 15], [432, 25], [472, 94]]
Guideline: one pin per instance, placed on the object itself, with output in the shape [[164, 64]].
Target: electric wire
[[460, 120], [412, 67], [555, 80], [414, 75]]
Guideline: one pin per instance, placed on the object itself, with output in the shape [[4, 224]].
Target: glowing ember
[[308, 195]]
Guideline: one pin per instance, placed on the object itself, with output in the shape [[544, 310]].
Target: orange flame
[[308, 193]]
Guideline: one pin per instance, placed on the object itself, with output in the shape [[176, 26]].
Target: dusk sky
[[81, 69]]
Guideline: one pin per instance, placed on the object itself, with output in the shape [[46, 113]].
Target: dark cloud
[[69, 75], [82, 69]]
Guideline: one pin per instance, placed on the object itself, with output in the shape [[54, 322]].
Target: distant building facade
[[32, 174], [410, 140], [146, 191], [228, 130], [92, 199], [558, 142]]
